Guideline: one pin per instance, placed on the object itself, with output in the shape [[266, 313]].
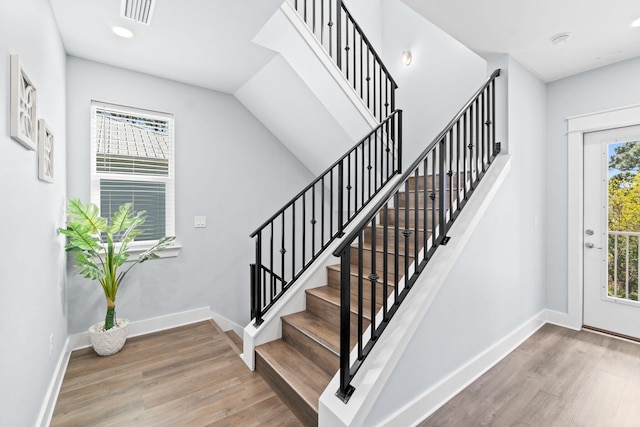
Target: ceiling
[[602, 32], [208, 42]]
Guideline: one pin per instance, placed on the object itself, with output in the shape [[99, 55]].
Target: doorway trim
[[577, 126]]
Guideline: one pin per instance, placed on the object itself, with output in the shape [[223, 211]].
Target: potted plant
[[100, 248]]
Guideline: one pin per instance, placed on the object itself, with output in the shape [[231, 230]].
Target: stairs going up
[[300, 365]]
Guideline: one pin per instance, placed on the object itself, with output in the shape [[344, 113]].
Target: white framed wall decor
[[45, 152], [23, 106]]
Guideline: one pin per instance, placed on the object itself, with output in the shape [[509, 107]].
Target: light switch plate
[[200, 222]]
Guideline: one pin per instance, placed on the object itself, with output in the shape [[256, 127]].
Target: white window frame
[[138, 247]]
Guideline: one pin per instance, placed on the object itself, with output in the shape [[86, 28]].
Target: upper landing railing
[[345, 42], [288, 242]]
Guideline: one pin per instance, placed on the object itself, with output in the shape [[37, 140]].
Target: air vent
[[138, 10]]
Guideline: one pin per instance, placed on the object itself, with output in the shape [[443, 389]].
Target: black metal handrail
[[345, 42], [403, 229], [292, 238]]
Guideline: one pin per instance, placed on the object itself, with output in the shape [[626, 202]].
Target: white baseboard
[[426, 404], [46, 412], [226, 324], [148, 326], [560, 319]]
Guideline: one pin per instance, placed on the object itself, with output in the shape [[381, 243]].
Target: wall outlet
[[200, 222], [50, 345]]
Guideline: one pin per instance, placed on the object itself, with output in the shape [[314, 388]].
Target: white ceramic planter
[[106, 343]]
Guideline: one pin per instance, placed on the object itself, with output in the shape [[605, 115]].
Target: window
[[132, 160]]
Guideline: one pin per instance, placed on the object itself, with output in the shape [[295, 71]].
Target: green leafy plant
[[98, 256]]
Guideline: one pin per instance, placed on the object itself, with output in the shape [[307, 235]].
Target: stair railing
[[288, 242], [402, 240], [345, 42]]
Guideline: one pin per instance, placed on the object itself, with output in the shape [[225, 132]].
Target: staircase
[[402, 222], [300, 365]]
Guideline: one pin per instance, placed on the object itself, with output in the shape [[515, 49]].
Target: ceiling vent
[[138, 10]]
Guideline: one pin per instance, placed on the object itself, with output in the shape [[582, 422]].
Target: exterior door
[[612, 230]]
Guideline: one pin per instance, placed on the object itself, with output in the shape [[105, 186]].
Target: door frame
[[577, 126]]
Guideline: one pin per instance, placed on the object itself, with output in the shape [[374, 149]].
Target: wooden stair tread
[[301, 373], [379, 249], [332, 296], [365, 271], [320, 330]]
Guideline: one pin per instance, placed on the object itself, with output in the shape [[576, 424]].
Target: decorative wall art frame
[[24, 126], [45, 152]]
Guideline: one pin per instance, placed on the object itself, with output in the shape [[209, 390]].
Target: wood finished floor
[[558, 377], [185, 376]]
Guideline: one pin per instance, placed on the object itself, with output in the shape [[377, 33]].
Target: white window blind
[[132, 161]]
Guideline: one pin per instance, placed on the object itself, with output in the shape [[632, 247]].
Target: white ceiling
[[201, 42], [602, 32], [208, 42]]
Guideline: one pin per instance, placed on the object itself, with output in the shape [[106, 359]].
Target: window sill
[[168, 252]]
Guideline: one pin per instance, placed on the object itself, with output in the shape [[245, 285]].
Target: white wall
[[498, 283], [443, 76], [601, 89], [228, 168], [368, 15], [32, 260]]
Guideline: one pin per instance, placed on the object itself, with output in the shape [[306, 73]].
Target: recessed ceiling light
[[122, 32], [636, 23], [561, 39]]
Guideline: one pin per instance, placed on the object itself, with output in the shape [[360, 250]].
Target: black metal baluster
[[330, 24], [369, 169], [416, 212], [323, 207], [331, 201], [360, 323], [374, 280], [258, 284], [322, 22], [425, 205], [349, 187], [388, 145], [493, 117], [443, 190], [346, 48], [345, 390], [434, 187], [313, 5], [450, 174], [477, 142], [362, 168], [368, 79], [304, 228], [293, 241], [283, 250], [341, 199], [272, 266], [385, 263], [471, 144], [313, 222], [407, 235], [380, 93], [361, 69], [483, 128], [396, 242], [377, 142], [458, 164], [354, 58]]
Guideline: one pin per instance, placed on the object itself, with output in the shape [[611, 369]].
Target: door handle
[[590, 245]]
